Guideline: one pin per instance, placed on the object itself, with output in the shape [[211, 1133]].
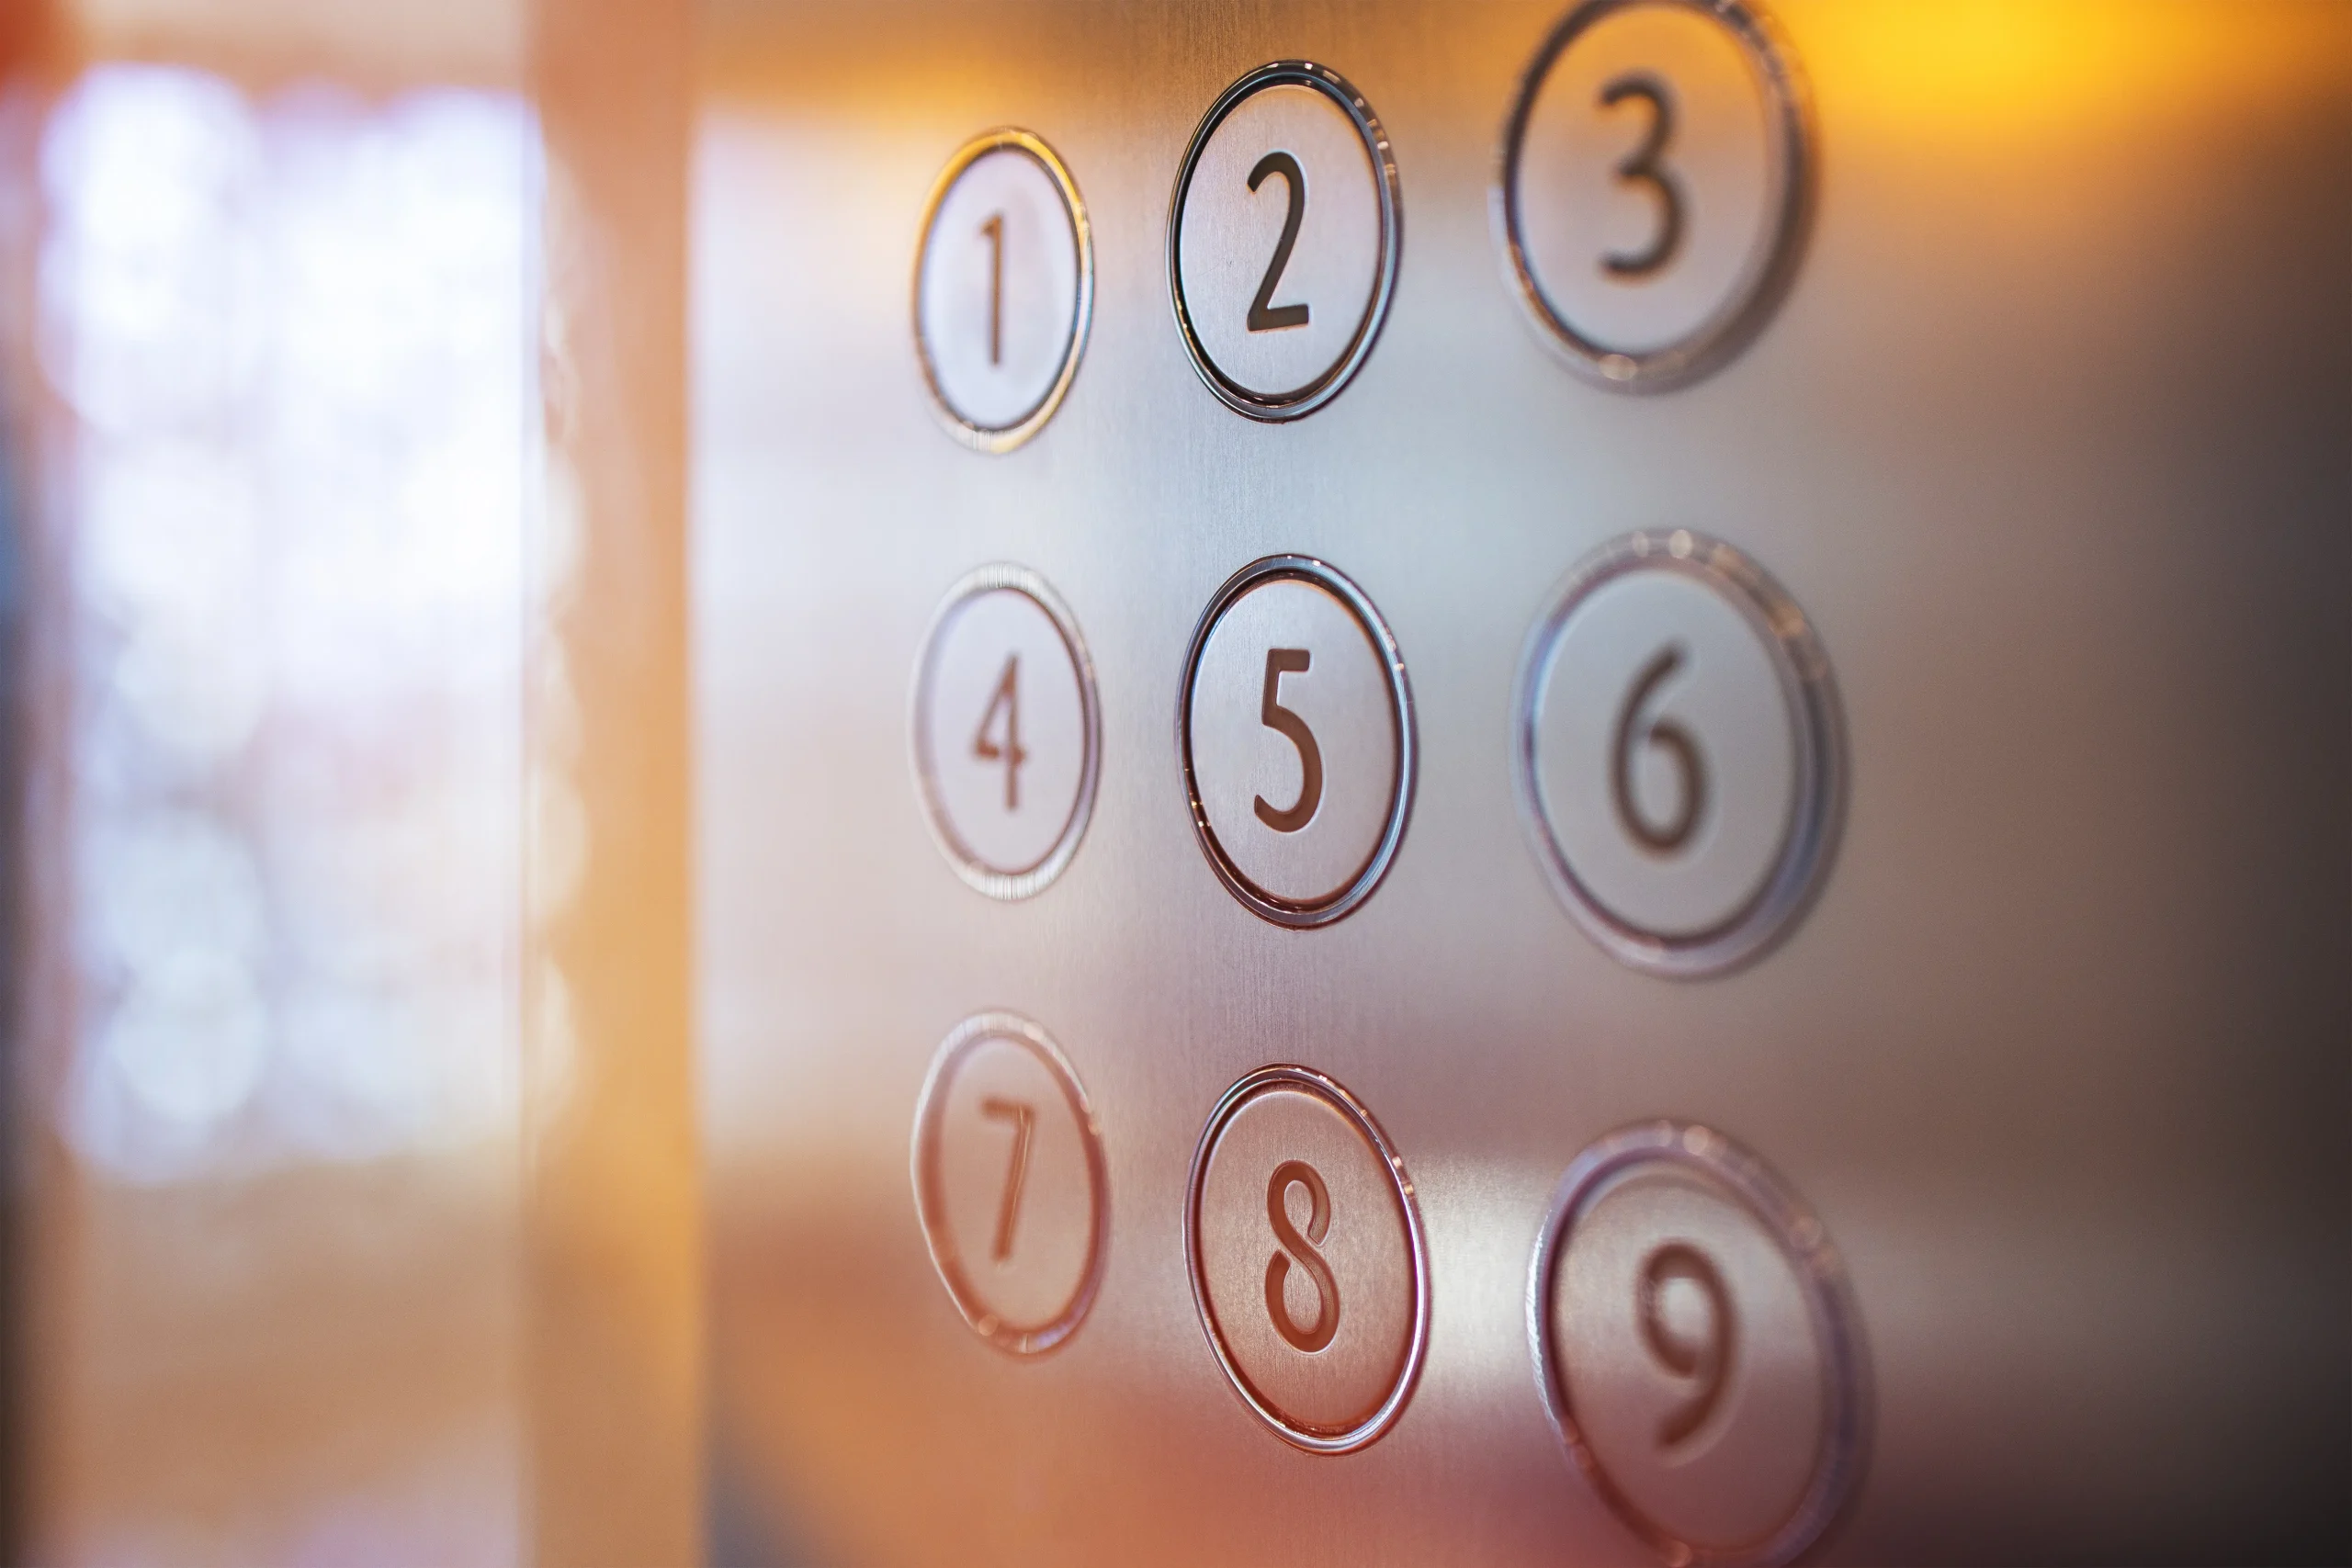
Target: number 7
[[1016, 1169]]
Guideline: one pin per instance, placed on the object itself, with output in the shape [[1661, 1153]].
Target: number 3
[[1642, 166]]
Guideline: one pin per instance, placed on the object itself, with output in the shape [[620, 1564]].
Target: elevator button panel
[[1009, 1183], [1696, 1345], [1003, 288], [1283, 239], [1006, 731], [1308, 1266], [1295, 727], [1680, 753], [1654, 184]]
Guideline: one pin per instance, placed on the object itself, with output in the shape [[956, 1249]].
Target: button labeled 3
[[1696, 1346], [1003, 288], [1654, 184], [1009, 1183], [1296, 730], [1308, 1266], [1679, 753], [1284, 237], [1005, 731]]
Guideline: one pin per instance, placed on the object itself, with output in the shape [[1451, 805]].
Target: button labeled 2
[[1006, 731], [1003, 288], [1295, 727], [1655, 183], [1309, 1269], [1283, 239], [1679, 753], [1698, 1346], [1009, 1183]]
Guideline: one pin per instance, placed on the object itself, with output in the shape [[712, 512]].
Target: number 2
[[1642, 166], [1264, 315], [1006, 699], [1281, 661]]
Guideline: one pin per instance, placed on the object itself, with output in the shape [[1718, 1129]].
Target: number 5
[[1281, 661]]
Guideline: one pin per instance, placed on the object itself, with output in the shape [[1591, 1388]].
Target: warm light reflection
[[292, 338]]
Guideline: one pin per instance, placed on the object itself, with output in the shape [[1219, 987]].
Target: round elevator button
[[1696, 1346], [1003, 288], [1284, 238], [1294, 727], [1308, 1266], [1654, 184], [1009, 1183], [1680, 753], [1006, 731]]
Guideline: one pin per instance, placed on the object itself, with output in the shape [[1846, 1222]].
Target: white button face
[[1307, 1262], [1699, 1347], [1005, 731], [1679, 748], [1298, 740], [1003, 288], [1654, 177], [1285, 239], [1010, 1182]]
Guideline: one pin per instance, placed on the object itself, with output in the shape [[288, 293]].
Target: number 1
[[1008, 698], [994, 229]]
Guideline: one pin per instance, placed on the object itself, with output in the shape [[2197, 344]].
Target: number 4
[[1006, 699]]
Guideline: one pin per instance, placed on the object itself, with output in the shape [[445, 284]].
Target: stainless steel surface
[[1679, 753], [1695, 1341], [2046, 436]]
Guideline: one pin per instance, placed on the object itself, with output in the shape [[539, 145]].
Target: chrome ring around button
[[1034, 864], [1036, 400], [1072, 1272], [1321, 905], [1325, 382], [1383, 1369], [1767, 265], [1786, 873], [1738, 1183]]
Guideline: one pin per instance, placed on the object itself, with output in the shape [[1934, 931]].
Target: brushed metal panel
[[2048, 438]]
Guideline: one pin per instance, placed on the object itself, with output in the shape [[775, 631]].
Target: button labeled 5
[[1005, 731], [1679, 753], [1296, 730], [1284, 238], [1654, 184]]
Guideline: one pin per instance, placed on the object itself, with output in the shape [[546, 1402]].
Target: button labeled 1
[[1654, 184], [1696, 1346], [1003, 288], [1009, 1183], [1295, 727], [1308, 1266], [1006, 731], [1679, 753], [1284, 238]]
